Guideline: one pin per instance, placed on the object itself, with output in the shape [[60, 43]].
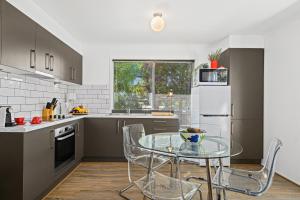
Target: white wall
[[282, 94], [98, 58], [29, 8], [239, 41]]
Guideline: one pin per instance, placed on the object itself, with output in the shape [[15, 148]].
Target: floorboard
[[103, 180]]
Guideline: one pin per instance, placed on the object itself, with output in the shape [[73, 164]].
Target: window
[[145, 84]]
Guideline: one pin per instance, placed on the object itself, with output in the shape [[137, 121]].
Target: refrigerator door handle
[[232, 109]]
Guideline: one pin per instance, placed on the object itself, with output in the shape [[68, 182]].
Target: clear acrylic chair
[[157, 186], [253, 183], [138, 156]]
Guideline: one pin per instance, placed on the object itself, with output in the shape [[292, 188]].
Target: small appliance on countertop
[[6, 117]]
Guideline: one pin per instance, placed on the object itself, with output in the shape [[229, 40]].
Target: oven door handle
[[65, 137]]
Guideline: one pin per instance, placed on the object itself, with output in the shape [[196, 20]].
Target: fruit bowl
[[195, 135], [79, 110]]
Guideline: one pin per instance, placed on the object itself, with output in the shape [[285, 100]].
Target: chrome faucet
[[128, 111]]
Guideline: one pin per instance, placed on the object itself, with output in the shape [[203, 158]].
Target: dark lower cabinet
[[103, 139], [38, 164], [104, 136], [27, 171], [79, 141], [249, 133]]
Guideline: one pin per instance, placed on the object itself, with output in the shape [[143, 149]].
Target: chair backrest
[[131, 135], [268, 170]]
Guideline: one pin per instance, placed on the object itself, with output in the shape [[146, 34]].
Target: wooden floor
[[102, 180]]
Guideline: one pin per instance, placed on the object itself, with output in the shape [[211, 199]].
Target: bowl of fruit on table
[[79, 110], [195, 135]]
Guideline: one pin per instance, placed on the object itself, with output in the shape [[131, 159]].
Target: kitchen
[[64, 98]]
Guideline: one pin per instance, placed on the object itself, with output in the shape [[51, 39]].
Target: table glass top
[[173, 143]]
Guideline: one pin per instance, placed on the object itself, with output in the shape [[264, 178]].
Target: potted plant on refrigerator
[[214, 58]]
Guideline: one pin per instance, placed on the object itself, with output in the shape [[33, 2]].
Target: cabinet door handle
[[231, 128], [124, 123], [47, 61], [32, 58], [159, 121], [75, 72], [72, 74], [159, 129], [71, 68], [51, 141], [118, 126], [51, 63], [78, 130]]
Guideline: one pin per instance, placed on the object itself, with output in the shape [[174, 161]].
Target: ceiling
[[187, 21]]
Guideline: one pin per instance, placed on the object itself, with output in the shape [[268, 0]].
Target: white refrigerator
[[211, 111]]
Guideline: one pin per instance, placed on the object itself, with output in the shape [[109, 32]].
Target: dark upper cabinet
[[1, 4], [18, 38], [30, 47], [77, 68], [56, 65], [49, 54], [246, 80], [43, 51]]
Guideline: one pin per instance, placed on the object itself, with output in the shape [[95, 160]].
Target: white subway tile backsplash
[[105, 106], [28, 95], [16, 77], [94, 92], [3, 100], [3, 75], [10, 83], [31, 100], [21, 93], [95, 106], [104, 91], [27, 115], [27, 107], [16, 108], [16, 100], [6, 92], [81, 91]]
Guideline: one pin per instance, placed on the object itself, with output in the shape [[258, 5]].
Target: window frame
[[112, 75]]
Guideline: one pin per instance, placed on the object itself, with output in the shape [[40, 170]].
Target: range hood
[[34, 73]]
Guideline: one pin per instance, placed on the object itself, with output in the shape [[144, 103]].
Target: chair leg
[[218, 194], [124, 190], [224, 194], [200, 194], [171, 170], [195, 177]]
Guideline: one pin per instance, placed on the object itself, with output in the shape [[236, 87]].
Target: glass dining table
[[210, 147]]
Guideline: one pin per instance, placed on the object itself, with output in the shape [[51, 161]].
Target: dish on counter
[[79, 110]]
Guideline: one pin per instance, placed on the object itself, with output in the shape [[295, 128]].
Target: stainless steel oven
[[64, 145]]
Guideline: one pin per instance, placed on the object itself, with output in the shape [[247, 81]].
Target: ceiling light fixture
[[157, 22]]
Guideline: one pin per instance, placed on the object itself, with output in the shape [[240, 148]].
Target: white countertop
[[28, 127]]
